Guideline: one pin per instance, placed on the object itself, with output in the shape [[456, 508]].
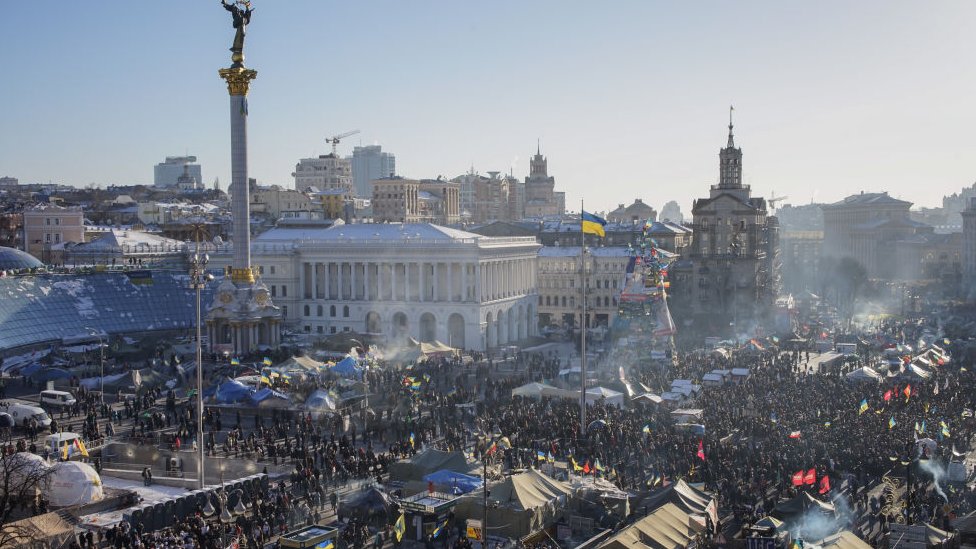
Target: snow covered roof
[[382, 232]]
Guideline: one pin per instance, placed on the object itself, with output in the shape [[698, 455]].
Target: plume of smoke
[[816, 525], [938, 471]]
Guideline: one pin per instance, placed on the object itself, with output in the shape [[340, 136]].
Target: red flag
[[887, 395], [798, 478], [586, 467], [795, 434], [701, 450], [908, 392], [824, 484], [811, 477]]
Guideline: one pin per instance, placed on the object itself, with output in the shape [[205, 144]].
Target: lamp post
[[198, 280], [101, 350]]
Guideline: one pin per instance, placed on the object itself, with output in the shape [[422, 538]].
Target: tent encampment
[[347, 367], [453, 482], [426, 462], [800, 505], [666, 526], [611, 397], [519, 504], [231, 391], [73, 483], [866, 373]]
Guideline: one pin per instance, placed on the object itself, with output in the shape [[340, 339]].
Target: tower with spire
[[730, 162], [541, 199]]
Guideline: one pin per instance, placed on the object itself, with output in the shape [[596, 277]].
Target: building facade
[[396, 280], [8, 182], [729, 276], [276, 202], [325, 172], [369, 163], [167, 173], [541, 198], [491, 198], [401, 200], [560, 286], [868, 227], [48, 225], [636, 212], [969, 249]]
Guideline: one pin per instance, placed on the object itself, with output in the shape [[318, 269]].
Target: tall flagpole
[[583, 328]]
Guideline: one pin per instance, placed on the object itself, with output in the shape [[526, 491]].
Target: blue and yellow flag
[[646, 430], [399, 527], [235, 362], [440, 528], [945, 429], [411, 439], [864, 407], [540, 455], [267, 361], [592, 224], [892, 422]]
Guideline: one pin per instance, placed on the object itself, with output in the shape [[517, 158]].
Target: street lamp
[[494, 441], [101, 349], [198, 280]]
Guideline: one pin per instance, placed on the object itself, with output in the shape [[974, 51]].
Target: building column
[[450, 281], [352, 280], [393, 282], [434, 285], [464, 282], [340, 278]]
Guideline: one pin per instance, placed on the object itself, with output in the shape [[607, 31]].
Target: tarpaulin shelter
[[689, 499], [231, 391], [73, 483], [426, 462], [801, 504], [609, 395], [865, 373], [540, 390], [915, 371], [47, 530], [268, 398], [302, 362], [320, 402], [436, 347], [348, 367], [49, 374], [365, 505], [648, 398], [842, 540], [666, 527], [454, 482], [519, 505]]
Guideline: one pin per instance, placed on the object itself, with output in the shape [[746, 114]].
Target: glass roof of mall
[[12, 259], [51, 307]]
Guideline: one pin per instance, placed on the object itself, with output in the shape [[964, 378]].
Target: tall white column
[[353, 280]]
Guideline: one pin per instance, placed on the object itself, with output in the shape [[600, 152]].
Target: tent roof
[[666, 527], [844, 540], [691, 500], [800, 504], [603, 391], [305, 362], [865, 373], [432, 460], [527, 490], [463, 483], [46, 527], [531, 389]]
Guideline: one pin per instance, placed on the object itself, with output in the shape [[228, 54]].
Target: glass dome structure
[[12, 259]]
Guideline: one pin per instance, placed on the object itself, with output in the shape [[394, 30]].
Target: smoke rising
[[935, 468]]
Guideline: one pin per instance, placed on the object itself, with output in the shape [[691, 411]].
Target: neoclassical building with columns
[[402, 280]]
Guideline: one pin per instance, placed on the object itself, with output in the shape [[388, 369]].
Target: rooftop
[[380, 232], [869, 199]]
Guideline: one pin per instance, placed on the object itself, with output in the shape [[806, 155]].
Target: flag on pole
[[80, 446], [235, 362], [908, 392], [576, 466], [892, 422], [586, 467], [798, 478], [597, 467], [440, 528], [701, 450], [824, 484], [945, 429], [399, 528], [540, 455], [64, 453], [646, 430], [267, 361], [864, 407], [795, 434], [810, 478], [887, 395], [411, 439], [592, 224]]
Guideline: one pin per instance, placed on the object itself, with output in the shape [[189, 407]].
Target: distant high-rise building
[[167, 174], [400, 200], [6, 182], [671, 211], [491, 198], [541, 199], [969, 247], [369, 163], [325, 172]]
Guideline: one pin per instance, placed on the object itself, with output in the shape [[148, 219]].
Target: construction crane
[[335, 139], [772, 201]]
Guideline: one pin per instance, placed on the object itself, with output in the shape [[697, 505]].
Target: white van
[[23, 412], [57, 399], [56, 442]]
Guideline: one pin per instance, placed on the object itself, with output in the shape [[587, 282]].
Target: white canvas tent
[[73, 483], [612, 397], [539, 390], [865, 374]]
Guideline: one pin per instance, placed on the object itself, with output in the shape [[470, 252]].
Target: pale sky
[[629, 98]]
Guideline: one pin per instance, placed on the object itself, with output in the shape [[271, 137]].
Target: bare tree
[[22, 476]]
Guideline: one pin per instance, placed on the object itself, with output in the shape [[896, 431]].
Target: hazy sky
[[629, 98]]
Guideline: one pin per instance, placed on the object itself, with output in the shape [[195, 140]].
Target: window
[[332, 311], [272, 269], [284, 312], [274, 293], [57, 238], [332, 330], [308, 311], [319, 311], [318, 329], [261, 269], [47, 220], [284, 291], [564, 301], [308, 329], [345, 311], [47, 237], [345, 328], [57, 220]]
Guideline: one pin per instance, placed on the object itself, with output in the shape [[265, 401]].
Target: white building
[[560, 286], [167, 174], [325, 172], [419, 280], [369, 163]]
